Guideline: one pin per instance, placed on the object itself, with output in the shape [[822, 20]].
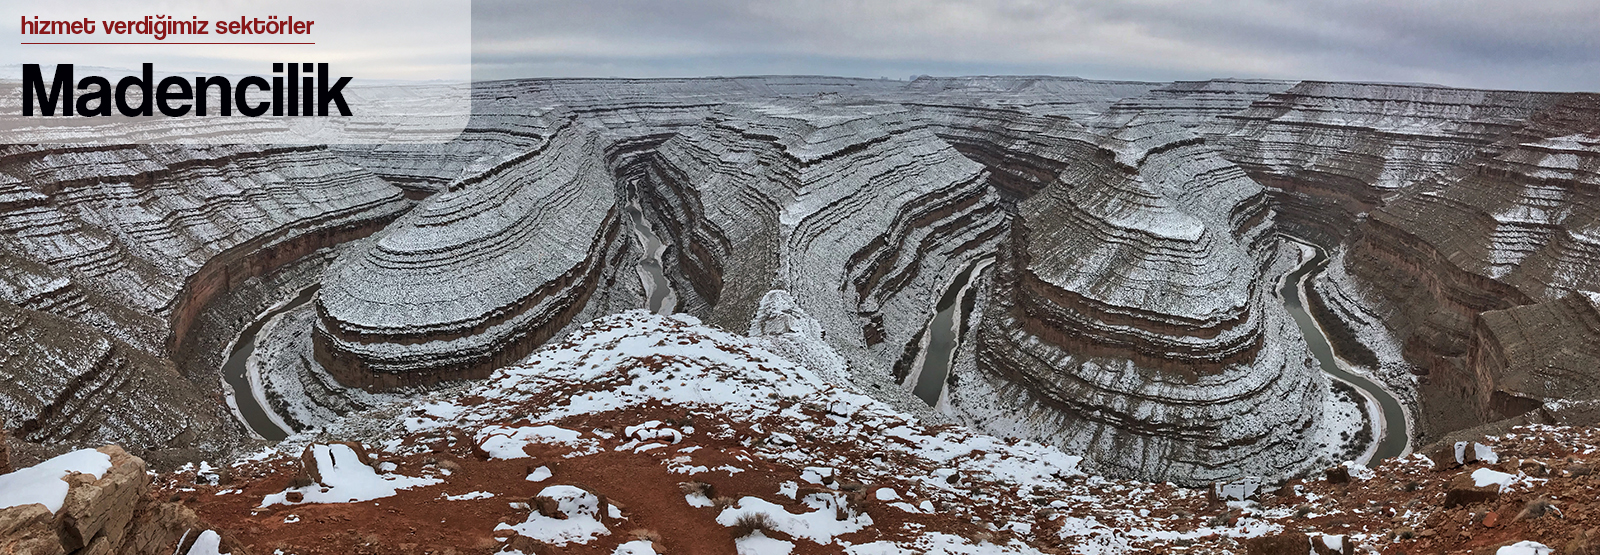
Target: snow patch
[[581, 524], [1525, 548], [43, 483], [208, 543], [820, 525], [347, 479]]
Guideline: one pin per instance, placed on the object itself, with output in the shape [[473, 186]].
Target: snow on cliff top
[[45, 482], [635, 403]]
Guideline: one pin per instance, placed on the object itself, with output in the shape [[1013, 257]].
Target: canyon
[[1098, 266]]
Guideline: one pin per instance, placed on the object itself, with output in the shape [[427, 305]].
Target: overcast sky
[[1525, 44]]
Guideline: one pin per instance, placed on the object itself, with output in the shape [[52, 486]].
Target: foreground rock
[[112, 513]]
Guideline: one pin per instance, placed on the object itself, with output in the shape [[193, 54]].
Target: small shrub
[[751, 522]]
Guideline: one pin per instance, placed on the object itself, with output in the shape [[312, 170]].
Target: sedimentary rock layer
[[1131, 312], [67, 382], [1512, 225], [1525, 356], [130, 243], [1035, 94], [474, 278], [859, 210], [1194, 104], [1333, 151]]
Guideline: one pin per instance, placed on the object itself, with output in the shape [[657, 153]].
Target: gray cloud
[[1545, 45]]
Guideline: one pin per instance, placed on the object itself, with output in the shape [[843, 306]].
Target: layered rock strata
[[1135, 322], [1034, 94], [866, 210], [71, 383], [859, 210], [1128, 315], [1525, 356], [119, 249], [475, 277], [1453, 255], [1334, 151], [1195, 105]]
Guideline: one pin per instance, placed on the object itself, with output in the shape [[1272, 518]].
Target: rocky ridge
[[649, 434], [1139, 368], [113, 511]]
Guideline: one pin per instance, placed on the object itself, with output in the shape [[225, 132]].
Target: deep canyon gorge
[[1093, 265]]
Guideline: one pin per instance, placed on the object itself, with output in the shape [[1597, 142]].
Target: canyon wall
[[1473, 260], [1132, 318], [1334, 151], [112, 252], [858, 210], [1129, 313]]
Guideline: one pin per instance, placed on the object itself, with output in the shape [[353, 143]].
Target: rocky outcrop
[[1123, 327], [860, 211], [1523, 356], [112, 514], [1510, 226], [72, 383], [474, 278]]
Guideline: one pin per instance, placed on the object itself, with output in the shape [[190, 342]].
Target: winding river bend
[[658, 291], [246, 398], [945, 335], [1395, 435]]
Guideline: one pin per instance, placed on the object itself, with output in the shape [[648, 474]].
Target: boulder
[[1537, 508], [1237, 491], [1338, 475], [112, 515], [1584, 543], [1463, 490], [523, 544], [1332, 545], [158, 526], [361, 453], [308, 473], [1447, 455], [103, 507]]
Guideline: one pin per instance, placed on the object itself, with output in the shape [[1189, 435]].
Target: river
[[944, 335], [1395, 433], [246, 398], [660, 299]]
